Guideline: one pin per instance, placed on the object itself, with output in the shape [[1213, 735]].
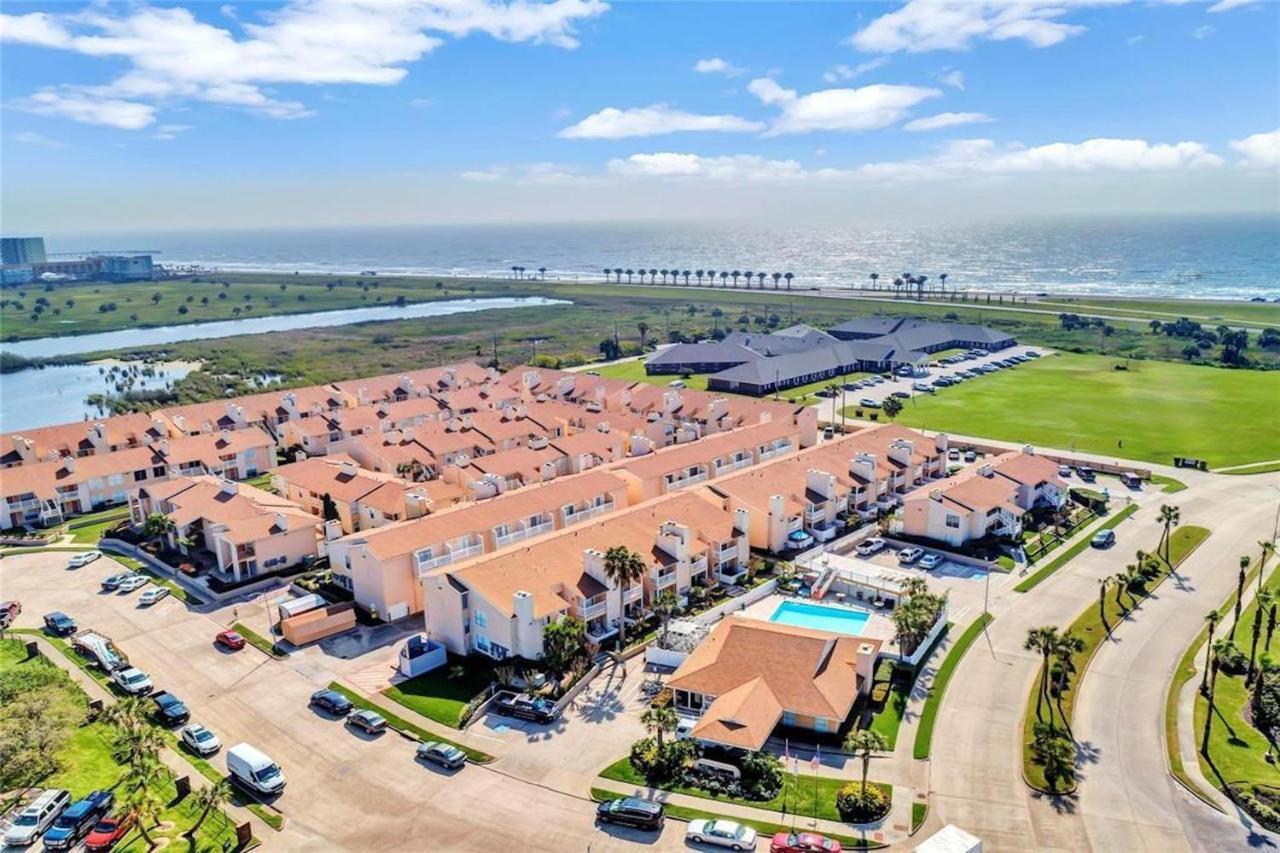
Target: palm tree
[[209, 799], [624, 567], [1169, 517], [711, 274], [1219, 648], [643, 328], [1244, 567], [875, 278], [724, 277], [542, 273], [1268, 548], [664, 276], [777, 277], [141, 799], [686, 275], [1043, 640], [1271, 625], [942, 277], [1064, 650], [698, 273], [666, 606], [1263, 604], [761, 276], [630, 272], [862, 743], [607, 271], [1122, 581], [1103, 583], [659, 721], [653, 276], [788, 276], [1267, 664], [1056, 753], [749, 274], [735, 274], [1212, 618]]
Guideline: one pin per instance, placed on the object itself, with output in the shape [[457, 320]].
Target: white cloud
[[112, 112], [1260, 151], [867, 108], [421, 103], [171, 55], [1202, 32], [716, 65], [1228, 5], [168, 132], [1132, 40], [924, 25], [28, 138], [986, 157], [954, 79], [941, 120], [535, 174], [844, 72], [735, 168], [613, 123]]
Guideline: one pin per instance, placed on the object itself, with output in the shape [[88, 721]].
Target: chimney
[[406, 435], [230, 487], [224, 436], [332, 530], [348, 469], [522, 607], [935, 494], [900, 451], [181, 423], [281, 521], [942, 442], [405, 384], [986, 471], [290, 402], [863, 465], [158, 424], [1029, 450], [69, 464], [362, 396]]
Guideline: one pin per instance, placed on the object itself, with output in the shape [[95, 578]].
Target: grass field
[[1151, 411], [439, 696], [411, 729], [1208, 312], [1093, 626]]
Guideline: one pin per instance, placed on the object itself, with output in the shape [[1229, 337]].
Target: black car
[[632, 811], [59, 624], [1086, 475], [169, 708], [525, 707], [332, 701]]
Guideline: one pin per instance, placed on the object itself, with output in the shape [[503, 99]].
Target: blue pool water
[[837, 620]]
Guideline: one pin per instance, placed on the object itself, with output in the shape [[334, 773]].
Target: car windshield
[[202, 734], [267, 773], [106, 825], [25, 820], [135, 678], [66, 821]]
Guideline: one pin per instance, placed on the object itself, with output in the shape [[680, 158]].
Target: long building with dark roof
[[748, 363]]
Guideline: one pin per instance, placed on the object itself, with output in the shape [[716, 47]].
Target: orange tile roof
[[704, 450]]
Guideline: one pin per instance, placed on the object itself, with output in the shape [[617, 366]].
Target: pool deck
[[878, 627]]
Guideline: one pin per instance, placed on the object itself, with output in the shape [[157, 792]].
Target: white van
[[32, 821], [254, 770]]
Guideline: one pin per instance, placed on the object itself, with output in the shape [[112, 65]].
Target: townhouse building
[[383, 567], [500, 604], [363, 500]]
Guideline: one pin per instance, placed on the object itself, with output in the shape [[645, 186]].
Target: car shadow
[[363, 735], [628, 833], [438, 769]]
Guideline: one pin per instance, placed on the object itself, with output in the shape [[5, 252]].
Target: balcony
[[663, 578], [522, 532], [632, 594], [600, 633], [574, 516], [685, 482], [450, 555], [814, 514], [591, 610], [774, 451], [698, 565], [734, 465]]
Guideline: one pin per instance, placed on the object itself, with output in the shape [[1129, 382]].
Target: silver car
[[722, 833], [200, 740]]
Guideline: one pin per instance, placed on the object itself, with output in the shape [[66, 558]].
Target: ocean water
[[1188, 257]]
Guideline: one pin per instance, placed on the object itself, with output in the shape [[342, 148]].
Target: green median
[[928, 717], [1074, 551], [404, 726]]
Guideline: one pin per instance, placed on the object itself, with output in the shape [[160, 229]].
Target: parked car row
[[63, 823], [650, 815], [129, 581]]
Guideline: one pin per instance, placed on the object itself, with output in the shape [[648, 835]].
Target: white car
[[152, 595], [869, 403], [131, 582], [867, 547], [84, 558], [132, 680], [909, 555], [200, 740], [931, 561], [722, 833]]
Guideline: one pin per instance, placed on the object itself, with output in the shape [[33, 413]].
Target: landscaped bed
[[1071, 553], [400, 724], [444, 694], [1054, 713]]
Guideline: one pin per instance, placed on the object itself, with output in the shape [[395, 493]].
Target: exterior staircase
[[825, 580]]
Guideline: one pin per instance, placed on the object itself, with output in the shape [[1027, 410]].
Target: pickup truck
[[524, 707], [169, 708]]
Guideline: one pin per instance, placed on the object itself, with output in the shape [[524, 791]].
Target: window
[[953, 521], [788, 718], [115, 479], [482, 621], [820, 724]]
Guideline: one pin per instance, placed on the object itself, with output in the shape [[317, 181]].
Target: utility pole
[[495, 347]]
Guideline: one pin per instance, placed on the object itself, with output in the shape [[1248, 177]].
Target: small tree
[[624, 567], [209, 799], [862, 743], [666, 606], [658, 721], [564, 644], [329, 508], [157, 526]]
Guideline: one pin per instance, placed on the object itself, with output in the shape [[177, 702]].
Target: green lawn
[[763, 829], [799, 793], [1210, 313], [86, 764], [1074, 551], [437, 696], [1092, 626], [1260, 468], [256, 640], [929, 715], [1157, 409], [1236, 748], [402, 725], [88, 529]]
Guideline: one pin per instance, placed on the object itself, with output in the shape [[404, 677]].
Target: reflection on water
[[53, 395]]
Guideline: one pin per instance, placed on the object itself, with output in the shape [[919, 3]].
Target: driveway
[[346, 791]]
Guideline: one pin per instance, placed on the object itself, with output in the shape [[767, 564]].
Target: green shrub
[[880, 693], [1232, 660], [761, 775], [662, 766], [884, 670], [858, 806]]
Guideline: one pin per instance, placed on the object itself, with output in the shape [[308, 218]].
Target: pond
[[78, 344], [46, 396]]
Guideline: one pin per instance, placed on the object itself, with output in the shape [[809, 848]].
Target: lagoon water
[[1194, 257], [54, 395], [156, 335]]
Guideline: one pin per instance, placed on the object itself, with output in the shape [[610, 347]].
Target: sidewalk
[[884, 831]]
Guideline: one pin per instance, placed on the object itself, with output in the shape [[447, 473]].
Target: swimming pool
[[837, 620]]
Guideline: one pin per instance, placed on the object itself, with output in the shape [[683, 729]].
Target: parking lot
[[874, 390], [346, 790]]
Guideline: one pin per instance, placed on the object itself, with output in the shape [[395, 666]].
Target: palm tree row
[[909, 281], [676, 276], [519, 272]]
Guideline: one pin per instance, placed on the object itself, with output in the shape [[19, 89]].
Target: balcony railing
[[732, 465], [633, 593], [698, 565], [661, 579], [686, 481], [589, 512], [590, 611], [451, 555], [775, 451]]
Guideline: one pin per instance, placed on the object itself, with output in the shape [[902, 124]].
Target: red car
[[108, 831], [230, 640], [803, 842]]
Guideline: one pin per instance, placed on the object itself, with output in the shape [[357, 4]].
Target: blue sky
[[460, 109]]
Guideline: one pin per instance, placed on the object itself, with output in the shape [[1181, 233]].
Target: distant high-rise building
[[22, 250]]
